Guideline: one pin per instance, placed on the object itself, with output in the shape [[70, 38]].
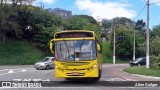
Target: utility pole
[[134, 45], [114, 61], [147, 33]]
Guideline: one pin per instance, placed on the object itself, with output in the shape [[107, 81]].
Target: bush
[[155, 62], [106, 52], [124, 40]]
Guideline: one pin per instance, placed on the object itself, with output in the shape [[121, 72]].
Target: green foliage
[[82, 22], [155, 46], [156, 31], [124, 47], [155, 52], [140, 45], [10, 18], [106, 24], [79, 22], [155, 62], [106, 52], [44, 36], [140, 24], [44, 24], [122, 21], [16, 52]]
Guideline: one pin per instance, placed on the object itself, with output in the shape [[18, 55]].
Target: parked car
[[46, 63], [138, 62]]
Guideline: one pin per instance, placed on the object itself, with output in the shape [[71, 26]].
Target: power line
[[145, 1], [154, 3], [140, 12]]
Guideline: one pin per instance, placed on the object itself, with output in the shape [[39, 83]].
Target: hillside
[[16, 52]]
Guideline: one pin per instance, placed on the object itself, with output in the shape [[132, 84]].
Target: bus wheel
[[68, 78]]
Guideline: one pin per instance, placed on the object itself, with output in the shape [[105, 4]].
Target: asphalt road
[[111, 75]]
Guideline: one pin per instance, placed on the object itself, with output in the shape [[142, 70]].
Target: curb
[[144, 76]]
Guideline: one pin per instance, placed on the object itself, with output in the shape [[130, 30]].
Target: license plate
[[75, 73]]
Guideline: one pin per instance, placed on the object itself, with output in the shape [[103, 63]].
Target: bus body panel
[[81, 68]]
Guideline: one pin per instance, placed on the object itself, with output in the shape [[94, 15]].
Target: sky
[[108, 9]]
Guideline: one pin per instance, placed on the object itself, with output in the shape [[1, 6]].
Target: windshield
[[139, 59], [75, 50], [44, 60]]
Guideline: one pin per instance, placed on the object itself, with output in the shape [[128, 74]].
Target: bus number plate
[[75, 73]]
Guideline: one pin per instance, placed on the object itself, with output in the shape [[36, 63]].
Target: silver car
[[46, 63]]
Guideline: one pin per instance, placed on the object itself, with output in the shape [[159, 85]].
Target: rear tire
[[47, 67], [131, 65]]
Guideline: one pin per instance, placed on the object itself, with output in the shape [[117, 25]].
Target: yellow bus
[[78, 54]]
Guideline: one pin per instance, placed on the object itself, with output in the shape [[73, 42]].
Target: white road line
[[10, 71], [116, 79], [15, 71], [23, 70], [113, 79], [128, 79]]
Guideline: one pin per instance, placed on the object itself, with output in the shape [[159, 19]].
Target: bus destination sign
[[74, 35]]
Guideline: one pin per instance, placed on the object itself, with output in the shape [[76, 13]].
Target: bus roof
[[67, 31], [74, 31]]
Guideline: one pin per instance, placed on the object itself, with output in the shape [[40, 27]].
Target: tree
[[140, 44], [155, 47], [9, 24], [78, 22], [82, 22], [44, 24], [156, 31], [124, 40], [122, 21], [140, 24], [61, 12]]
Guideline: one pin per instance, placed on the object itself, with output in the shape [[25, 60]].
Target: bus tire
[[68, 79]]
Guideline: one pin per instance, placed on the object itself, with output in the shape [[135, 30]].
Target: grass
[[142, 70], [16, 52], [107, 53]]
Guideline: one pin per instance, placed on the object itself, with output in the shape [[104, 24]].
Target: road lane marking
[[128, 79], [10, 71], [116, 79], [23, 70]]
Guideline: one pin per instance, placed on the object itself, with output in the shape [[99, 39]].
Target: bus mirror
[[51, 46], [98, 47]]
